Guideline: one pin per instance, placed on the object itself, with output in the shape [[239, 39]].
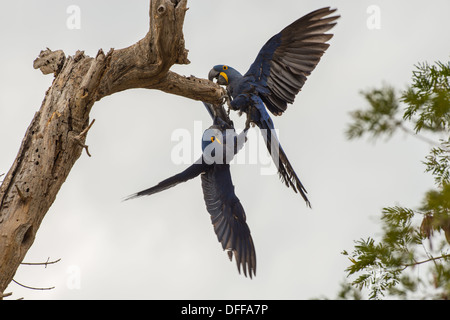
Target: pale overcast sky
[[164, 246]]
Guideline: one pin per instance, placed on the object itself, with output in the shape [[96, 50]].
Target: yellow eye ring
[[212, 139], [224, 67]]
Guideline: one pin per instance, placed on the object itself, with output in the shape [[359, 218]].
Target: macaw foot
[[249, 122], [225, 98]]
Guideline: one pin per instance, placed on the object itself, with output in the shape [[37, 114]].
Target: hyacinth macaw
[[274, 79], [219, 145]]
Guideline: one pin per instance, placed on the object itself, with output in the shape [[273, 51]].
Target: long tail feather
[[285, 170]]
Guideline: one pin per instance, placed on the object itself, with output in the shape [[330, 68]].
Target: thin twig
[[85, 131], [41, 263], [82, 135], [424, 261], [32, 288], [417, 136]]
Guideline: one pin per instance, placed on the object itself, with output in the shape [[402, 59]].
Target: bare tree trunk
[[55, 138]]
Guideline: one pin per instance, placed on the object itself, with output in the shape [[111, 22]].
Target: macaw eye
[[224, 67]]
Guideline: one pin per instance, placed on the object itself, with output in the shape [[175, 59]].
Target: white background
[[163, 246]]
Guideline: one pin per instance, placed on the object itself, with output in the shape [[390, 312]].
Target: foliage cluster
[[411, 260]]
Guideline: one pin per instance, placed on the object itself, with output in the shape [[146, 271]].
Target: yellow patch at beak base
[[224, 75]]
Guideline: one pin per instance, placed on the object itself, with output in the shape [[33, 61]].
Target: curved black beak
[[221, 77], [213, 74]]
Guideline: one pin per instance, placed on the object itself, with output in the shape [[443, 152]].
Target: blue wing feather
[[188, 174], [228, 217], [284, 62]]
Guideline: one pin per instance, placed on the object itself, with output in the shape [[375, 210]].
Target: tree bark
[[56, 136]]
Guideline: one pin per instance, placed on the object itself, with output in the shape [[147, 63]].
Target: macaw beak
[[213, 74], [221, 77], [215, 139]]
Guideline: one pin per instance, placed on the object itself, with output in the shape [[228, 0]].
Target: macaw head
[[216, 134], [223, 74], [220, 143]]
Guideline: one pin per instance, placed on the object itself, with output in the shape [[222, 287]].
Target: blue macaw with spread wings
[[274, 79], [220, 144]]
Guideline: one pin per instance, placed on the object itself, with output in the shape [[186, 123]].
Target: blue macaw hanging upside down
[[220, 144], [274, 79]]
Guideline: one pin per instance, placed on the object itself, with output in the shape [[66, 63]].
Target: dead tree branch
[[56, 136]]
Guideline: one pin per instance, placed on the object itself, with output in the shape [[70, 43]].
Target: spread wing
[[285, 61], [190, 173], [228, 217]]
